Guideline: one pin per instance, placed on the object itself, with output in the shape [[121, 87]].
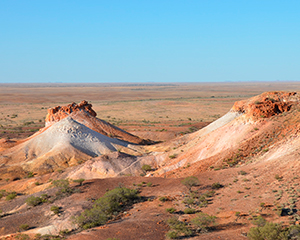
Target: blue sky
[[149, 41]]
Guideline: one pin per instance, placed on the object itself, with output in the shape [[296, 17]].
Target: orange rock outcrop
[[267, 104], [84, 114], [58, 113]]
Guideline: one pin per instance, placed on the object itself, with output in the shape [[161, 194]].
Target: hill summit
[[72, 135], [84, 114]]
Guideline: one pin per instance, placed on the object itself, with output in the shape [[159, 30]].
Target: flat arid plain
[[145, 108], [150, 161]]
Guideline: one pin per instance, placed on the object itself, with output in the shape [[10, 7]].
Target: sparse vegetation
[[63, 188], [21, 236], [242, 173], [274, 231], [277, 177], [204, 222], [146, 168], [149, 184], [55, 209], [189, 201], [189, 211], [24, 227], [259, 221], [190, 182], [80, 181], [163, 199], [107, 207], [216, 185], [171, 210], [178, 229], [11, 196], [2, 193], [30, 175], [33, 201]]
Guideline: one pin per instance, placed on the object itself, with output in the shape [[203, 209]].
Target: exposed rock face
[[58, 113], [244, 132], [267, 104], [72, 136], [6, 143], [62, 145], [84, 114]]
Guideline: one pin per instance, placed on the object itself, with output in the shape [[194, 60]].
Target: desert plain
[[239, 139]]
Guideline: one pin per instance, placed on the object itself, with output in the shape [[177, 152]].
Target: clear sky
[[149, 40]]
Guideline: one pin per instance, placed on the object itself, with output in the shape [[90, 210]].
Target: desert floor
[[155, 111]]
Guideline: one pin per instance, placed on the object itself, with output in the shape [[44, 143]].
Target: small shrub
[[189, 211], [64, 232], [209, 193], [55, 209], [172, 156], [149, 184], [80, 181], [203, 221], [270, 231], [277, 177], [24, 227], [216, 185], [259, 221], [63, 188], [178, 228], [11, 196], [163, 199], [171, 210], [189, 201], [146, 168], [30, 175], [190, 182], [203, 203], [172, 234], [242, 173], [33, 201], [44, 197], [22, 237], [2, 193], [106, 207]]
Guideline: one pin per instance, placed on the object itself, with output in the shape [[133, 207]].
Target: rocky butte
[[73, 135]]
